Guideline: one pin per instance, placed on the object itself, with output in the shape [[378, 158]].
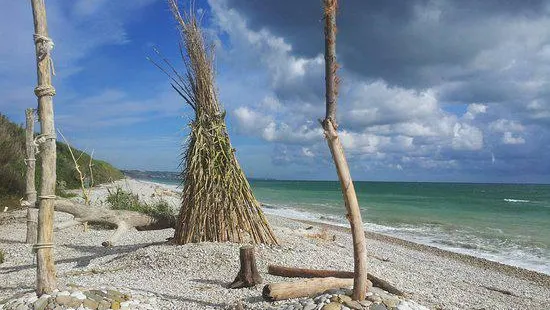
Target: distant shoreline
[[174, 176]]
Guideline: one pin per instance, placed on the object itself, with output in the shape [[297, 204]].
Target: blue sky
[[431, 90]]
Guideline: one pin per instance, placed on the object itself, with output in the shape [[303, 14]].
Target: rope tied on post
[[38, 246], [27, 160], [43, 138], [47, 196], [45, 46], [44, 90]]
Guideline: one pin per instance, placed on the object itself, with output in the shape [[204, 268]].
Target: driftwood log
[[122, 219], [320, 273], [305, 288], [248, 275]]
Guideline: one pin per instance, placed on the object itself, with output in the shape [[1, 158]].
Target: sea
[[507, 223]]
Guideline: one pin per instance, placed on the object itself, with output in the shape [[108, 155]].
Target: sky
[[431, 90]]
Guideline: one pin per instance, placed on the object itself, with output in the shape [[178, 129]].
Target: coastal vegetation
[[119, 199], [12, 166]]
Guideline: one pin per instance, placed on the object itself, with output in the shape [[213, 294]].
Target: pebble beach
[[153, 274]]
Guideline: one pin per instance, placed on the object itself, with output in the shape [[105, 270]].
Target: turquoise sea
[[508, 223]]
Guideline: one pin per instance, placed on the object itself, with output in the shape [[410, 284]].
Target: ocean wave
[[461, 241], [516, 200]]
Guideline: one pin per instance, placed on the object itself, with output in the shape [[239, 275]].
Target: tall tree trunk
[[331, 134], [45, 275], [30, 161]]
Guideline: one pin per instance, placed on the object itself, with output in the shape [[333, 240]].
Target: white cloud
[[510, 138], [291, 77], [307, 152], [474, 109], [504, 125], [376, 103], [467, 137]]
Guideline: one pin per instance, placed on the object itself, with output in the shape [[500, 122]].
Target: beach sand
[[195, 276]]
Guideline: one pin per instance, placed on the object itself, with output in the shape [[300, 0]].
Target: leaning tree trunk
[[217, 201], [331, 134], [30, 193], [45, 275]]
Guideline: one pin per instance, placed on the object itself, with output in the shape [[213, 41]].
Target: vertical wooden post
[[45, 276], [30, 193], [248, 275], [331, 134]]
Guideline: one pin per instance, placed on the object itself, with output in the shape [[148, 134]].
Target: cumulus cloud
[[509, 138], [467, 137], [413, 95]]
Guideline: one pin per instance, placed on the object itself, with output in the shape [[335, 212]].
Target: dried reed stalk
[[217, 201]]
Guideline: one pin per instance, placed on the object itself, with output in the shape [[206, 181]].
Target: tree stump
[[248, 275]]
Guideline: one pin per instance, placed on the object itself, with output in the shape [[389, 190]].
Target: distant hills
[[12, 165], [153, 175]]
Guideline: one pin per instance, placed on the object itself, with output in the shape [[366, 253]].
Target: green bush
[[120, 199]]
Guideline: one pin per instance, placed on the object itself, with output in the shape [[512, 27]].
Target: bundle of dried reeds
[[217, 201]]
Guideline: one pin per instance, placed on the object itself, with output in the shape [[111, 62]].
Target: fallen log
[[320, 273], [248, 275], [305, 288], [122, 219]]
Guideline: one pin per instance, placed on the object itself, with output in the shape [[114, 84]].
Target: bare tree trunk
[[330, 127], [248, 275], [30, 193], [45, 276]]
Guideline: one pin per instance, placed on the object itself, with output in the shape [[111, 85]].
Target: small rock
[[365, 303], [332, 306], [403, 306], [125, 304], [375, 298], [115, 305], [22, 307], [78, 295], [379, 307], [340, 298], [40, 304], [391, 302], [309, 306], [352, 304], [90, 303]]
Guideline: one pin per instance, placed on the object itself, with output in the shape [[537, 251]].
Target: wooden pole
[[45, 275], [30, 193], [331, 134]]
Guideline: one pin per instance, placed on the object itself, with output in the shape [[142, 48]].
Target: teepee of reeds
[[217, 201]]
